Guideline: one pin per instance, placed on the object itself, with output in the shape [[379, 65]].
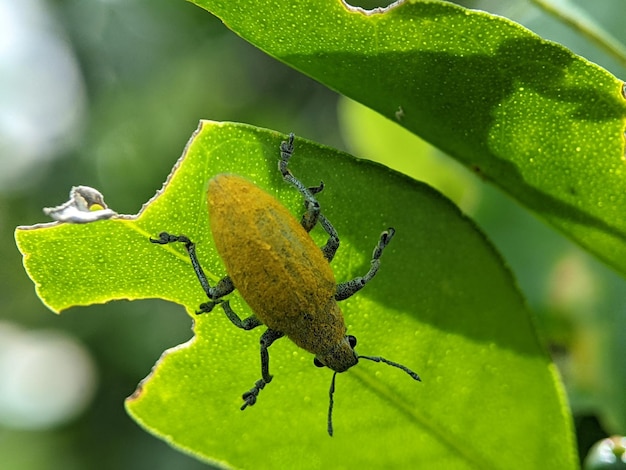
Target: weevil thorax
[[340, 357]]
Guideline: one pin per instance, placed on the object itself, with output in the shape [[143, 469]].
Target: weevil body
[[278, 269], [282, 274]]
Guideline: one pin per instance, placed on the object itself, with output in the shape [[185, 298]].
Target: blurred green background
[[106, 93]]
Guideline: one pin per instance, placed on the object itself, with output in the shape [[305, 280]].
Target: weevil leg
[[312, 215], [245, 324], [346, 289], [309, 219], [223, 287], [332, 244], [316, 189], [267, 338]]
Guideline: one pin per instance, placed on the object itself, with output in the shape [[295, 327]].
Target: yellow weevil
[[281, 273]]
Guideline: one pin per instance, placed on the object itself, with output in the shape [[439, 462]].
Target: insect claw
[[249, 401], [164, 238], [251, 395], [387, 236], [207, 307]]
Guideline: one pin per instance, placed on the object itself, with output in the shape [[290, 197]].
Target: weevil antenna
[[394, 364], [330, 405]]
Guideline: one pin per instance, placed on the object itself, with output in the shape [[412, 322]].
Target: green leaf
[[542, 123], [442, 303]]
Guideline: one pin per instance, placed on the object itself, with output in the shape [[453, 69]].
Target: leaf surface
[[442, 303]]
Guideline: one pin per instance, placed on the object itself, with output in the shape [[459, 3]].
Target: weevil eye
[[351, 341], [317, 362]]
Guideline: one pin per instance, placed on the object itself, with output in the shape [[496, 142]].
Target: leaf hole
[[370, 6]]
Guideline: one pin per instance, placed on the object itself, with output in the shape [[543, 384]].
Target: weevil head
[[341, 357]]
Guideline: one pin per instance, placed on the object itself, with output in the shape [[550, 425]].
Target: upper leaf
[[542, 123], [442, 303]]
